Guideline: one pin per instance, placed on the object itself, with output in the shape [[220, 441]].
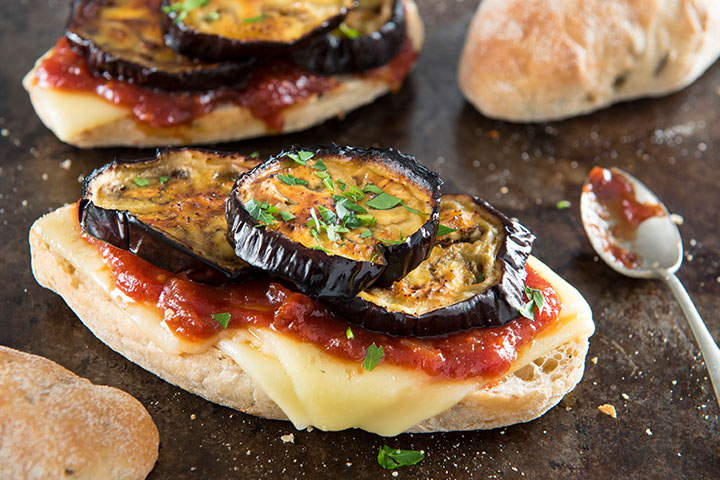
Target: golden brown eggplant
[[474, 277], [335, 220], [168, 210], [230, 29], [123, 39]]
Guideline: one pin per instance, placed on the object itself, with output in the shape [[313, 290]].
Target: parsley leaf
[[327, 214], [412, 210], [291, 179], [258, 210], [329, 183], [259, 18], [480, 277], [141, 182], [286, 216], [353, 193], [563, 204], [320, 165], [301, 157], [222, 318], [182, 9], [383, 201], [367, 219], [536, 300], [349, 333], [392, 242], [349, 32], [391, 458], [212, 17], [347, 204], [372, 188], [372, 357], [444, 230], [163, 179], [255, 154], [366, 234]]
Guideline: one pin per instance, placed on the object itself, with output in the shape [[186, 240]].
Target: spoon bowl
[[633, 232]]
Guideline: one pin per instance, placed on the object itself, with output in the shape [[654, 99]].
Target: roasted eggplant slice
[[230, 29], [474, 277], [335, 220], [370, 37], [123, 39], [169, 210]]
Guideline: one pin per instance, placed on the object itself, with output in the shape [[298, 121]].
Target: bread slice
[[86, 120], [534, 385], [54, 424], [534, 60]]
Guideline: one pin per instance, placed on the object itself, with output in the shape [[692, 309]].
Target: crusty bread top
[[533, 60], [54, 424]]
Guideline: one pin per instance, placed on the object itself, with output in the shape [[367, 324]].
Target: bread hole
[[550, 365], [526, 373], [620, 80]]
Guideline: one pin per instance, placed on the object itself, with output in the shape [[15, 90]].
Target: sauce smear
[[613, 198], [187, 307]]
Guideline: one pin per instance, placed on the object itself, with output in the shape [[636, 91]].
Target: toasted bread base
[[213, 375], [226, 123], [55, 424]]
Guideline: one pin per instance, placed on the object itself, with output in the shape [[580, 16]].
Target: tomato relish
[[271, 88], [187, 308]]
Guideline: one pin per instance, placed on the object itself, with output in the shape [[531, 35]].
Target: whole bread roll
[[538, 60], [54, 424]]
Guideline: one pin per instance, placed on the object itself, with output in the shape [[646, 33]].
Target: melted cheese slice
[[311, 387], [70, 113]]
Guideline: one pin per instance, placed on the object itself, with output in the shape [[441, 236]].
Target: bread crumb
[[65, 164], [594, 360], [4, 132], [676, 219], [504, 190], [289, 438], [608, 409], [647, 430], [625, 396], [193, 416], [310, 428]]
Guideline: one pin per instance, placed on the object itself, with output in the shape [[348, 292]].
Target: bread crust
[[54, 424], [213, 375], [230, 122], [534, 60]]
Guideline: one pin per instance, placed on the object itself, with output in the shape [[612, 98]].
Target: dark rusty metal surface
[[647, 366]]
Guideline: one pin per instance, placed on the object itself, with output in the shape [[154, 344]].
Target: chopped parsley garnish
[[563, 204], [444, 230], [367, 219], [261, 211], [141, 182], [412, 210], [366, 234], [383, 201], [352, 193], [372, 188], [320, 165], [372, 357], [255, 154], [182, 9], [391, 458], [349, 32], [536, 299], [259, 18], [349, 333], [301, 157], [212, 17], [222, 318], [347, 204], [163, 179], [480, 277], [327, 214], [391, 242], [286, 216], [291, 179]]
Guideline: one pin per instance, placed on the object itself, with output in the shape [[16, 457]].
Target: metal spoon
[[640, 247]]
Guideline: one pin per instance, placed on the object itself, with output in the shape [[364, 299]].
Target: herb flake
[[222, 318], [383, 201], [536, 300], [292, 179], [301, 157], [141, 182], [563, 204], [349, 333], [181, 9], [372, 357], [444, 230], [391, 458]]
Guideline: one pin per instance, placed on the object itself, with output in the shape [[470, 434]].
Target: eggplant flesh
[[123, 40], [373, 35], [474, 277], [323, 226], [232, 29], [168, 210]]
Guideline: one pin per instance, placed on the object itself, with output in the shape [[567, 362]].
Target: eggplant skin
[[314, 272], [335, 53], [195, 43], [493, 307], [175, 232], [123, 40]]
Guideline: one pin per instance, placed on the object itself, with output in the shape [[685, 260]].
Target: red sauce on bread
[[187, 308], [271, 88]]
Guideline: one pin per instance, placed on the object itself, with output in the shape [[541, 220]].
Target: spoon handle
[[708, 347]]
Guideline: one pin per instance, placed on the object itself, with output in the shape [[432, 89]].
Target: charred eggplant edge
[[110, 66], [211, 47], [493, 307], [123, 230], [330, 54], [314, 272]]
